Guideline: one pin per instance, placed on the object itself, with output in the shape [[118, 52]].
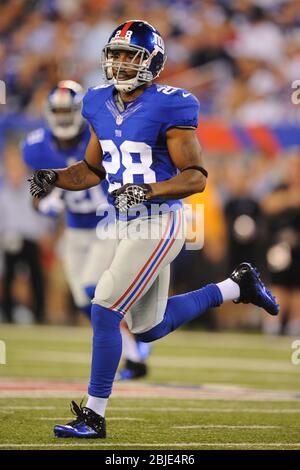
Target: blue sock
[[90, 291], [86, 310], [107, 350], [182, 309]]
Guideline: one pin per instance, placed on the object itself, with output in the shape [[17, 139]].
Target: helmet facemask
[[64, 124], [113, 69]]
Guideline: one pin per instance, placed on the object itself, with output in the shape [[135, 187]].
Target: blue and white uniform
[[135, 282], [83, 251], [135, 150]]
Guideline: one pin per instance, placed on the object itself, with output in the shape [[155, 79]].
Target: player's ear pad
[[105, 288]]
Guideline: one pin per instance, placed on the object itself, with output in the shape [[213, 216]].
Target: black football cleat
[[87, 425], [252, 289]]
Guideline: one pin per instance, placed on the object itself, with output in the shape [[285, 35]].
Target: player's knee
[[104, 289], [106, 325], [157, 332]]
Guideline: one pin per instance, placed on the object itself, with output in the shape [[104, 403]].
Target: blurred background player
[[63, 142]]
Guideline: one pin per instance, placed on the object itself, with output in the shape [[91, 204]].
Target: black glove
[[42, 182], [130, 195]]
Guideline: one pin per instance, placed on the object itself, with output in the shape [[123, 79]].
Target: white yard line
[[225, 363], [186, 362], [111, 418], [17, 407], [63, 357], [211, 410], [199, 397], [10, 388], [226, 426], [207, 340], [167, 409], [171, 445]]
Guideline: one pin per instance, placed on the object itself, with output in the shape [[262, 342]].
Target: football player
[[62, 142], [143, 141]]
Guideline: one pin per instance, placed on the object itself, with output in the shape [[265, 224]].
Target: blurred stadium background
[[240, 58]]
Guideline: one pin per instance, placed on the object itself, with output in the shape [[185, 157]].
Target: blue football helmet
[[63, 110], [147, 45]]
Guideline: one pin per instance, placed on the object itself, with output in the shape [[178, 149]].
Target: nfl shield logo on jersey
[[119, 120]]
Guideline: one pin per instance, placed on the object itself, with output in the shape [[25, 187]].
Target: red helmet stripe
[[125, 29]]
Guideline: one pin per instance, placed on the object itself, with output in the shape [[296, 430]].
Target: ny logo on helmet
[[159, 43]]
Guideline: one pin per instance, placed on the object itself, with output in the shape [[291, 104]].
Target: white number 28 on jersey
[[124, 157]]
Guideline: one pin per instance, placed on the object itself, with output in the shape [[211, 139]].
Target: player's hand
[[42, 182], [130, 195]]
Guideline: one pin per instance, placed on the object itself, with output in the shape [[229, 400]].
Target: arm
[[80, 175], [185, 151]]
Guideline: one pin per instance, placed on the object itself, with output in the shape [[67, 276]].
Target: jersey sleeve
[[182, 110]]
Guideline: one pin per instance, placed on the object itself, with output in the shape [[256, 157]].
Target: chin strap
[[198, 168]]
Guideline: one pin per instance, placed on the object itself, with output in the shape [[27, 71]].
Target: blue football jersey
[[40, 151], [134, 141]]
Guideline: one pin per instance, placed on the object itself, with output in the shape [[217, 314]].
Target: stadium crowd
[[240, 59]]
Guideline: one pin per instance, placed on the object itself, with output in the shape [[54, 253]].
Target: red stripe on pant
[[164, 254], [144, 267]]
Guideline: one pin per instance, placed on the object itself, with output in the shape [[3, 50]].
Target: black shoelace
[[77, 410], [86, 416]]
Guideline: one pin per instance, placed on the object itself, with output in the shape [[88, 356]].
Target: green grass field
[[204, 391]]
